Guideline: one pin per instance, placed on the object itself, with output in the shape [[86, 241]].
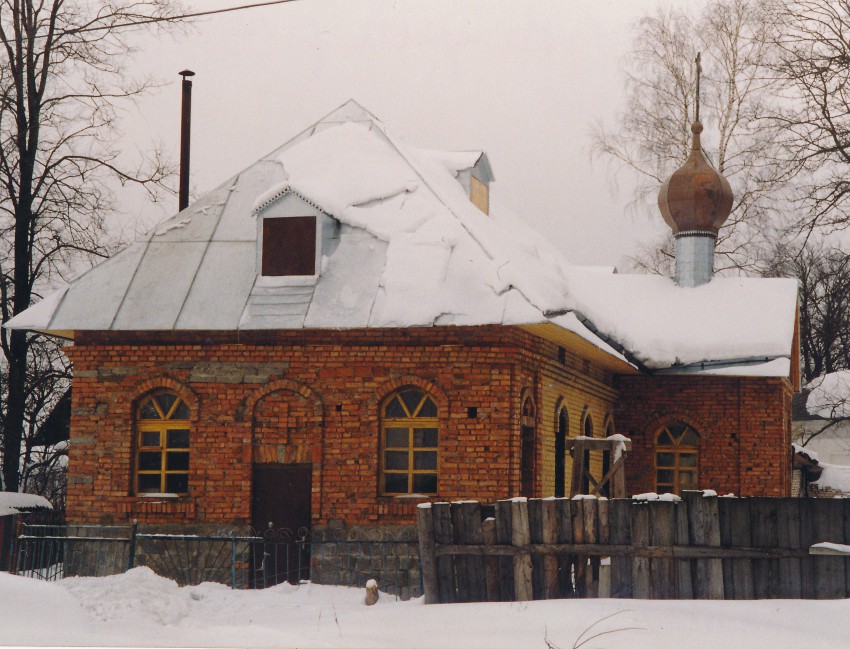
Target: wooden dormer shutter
[[289, 246]]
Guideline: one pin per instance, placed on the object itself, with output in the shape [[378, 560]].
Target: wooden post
[[705, 530], [427, 556], [640, 539], [535, 528], [737, 512], [765, 521], [790, 576], [443, 534], [829, 527], [662, 532], [503, 537], [684, 575], [473, 534], [550, 536], [621, 534], [520, 538], [565, 535], [591, 537], [491, 564]]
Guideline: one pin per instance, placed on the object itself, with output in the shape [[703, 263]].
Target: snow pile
[[141, 609], [834, 477], [13, 503], [808, 454], [830, 395], [652, 496]]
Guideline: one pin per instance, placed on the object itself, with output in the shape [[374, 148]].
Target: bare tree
[[823, 272], [812, 39], [60, 78], [653, 133]]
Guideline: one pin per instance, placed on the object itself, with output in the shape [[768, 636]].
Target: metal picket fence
[[52, 552]]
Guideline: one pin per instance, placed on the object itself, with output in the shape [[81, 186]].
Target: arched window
[[588, 432], [560, 452], [162, 457], [527, 434], [606, 459], [676, 458], [409, 443]]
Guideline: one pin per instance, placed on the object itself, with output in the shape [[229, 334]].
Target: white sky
[[522, 80]]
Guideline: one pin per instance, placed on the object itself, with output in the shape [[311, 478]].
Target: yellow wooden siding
[[581, 386]]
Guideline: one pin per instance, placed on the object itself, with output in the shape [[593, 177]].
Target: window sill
[[167, 505]]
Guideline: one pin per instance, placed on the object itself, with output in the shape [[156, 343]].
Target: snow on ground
[[142, 609]]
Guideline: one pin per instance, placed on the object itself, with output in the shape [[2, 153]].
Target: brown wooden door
[[280, 514]]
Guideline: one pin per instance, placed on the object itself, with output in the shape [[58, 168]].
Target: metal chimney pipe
[[185, 132]]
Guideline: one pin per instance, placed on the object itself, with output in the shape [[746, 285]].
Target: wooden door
[[280, 514]]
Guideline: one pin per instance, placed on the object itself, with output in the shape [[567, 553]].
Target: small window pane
[[177, 483], [528, 408], [165, 401], [687, 478], [398, 437], [177, 461], [425, 483], [395, 483], [689, 438], [665, 460], [664, 439], [425, 437], [181, 411], [676, 430], [149, 483], [395, 460], [687, 459], [666, 476], [588, 427], [395, 410], [149, 411], [150, 438], [178, 438], [428, 409], [150, 461], [425, 460], [411, 399]]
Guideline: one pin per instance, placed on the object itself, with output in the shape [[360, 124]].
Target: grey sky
[[522, 80]]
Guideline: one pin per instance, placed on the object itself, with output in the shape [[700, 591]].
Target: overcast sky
[[522, 80]]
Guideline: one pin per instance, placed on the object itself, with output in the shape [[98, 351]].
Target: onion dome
[[696, 198]]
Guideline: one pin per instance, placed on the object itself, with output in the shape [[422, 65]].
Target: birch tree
[[61, 77]]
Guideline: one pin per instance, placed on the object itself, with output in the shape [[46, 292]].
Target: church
[[351, 326]]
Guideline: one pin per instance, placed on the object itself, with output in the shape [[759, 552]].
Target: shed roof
[[411, 250]]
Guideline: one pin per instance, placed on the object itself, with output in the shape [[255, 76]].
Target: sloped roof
[[411, 250]]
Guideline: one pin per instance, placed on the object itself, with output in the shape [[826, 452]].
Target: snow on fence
[[700, 547]]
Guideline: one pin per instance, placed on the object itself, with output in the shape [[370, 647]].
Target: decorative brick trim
[[289, 385], [387, 388], [134, 395], [651, 428]]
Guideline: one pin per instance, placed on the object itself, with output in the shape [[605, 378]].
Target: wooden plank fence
[[701, 547]]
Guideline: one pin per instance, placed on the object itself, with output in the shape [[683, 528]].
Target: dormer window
[[479, 194], [476, 180], [289, 246]]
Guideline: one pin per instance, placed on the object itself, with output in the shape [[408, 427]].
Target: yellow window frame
[[411, 422], [162, 425]]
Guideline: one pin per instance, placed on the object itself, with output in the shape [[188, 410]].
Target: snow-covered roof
[[14, 503], [406, 248]]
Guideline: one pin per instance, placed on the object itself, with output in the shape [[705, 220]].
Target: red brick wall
[[743, 423], [292, 397], [314, 397]]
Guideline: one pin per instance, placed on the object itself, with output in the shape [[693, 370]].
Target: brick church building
[[351, 326]]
